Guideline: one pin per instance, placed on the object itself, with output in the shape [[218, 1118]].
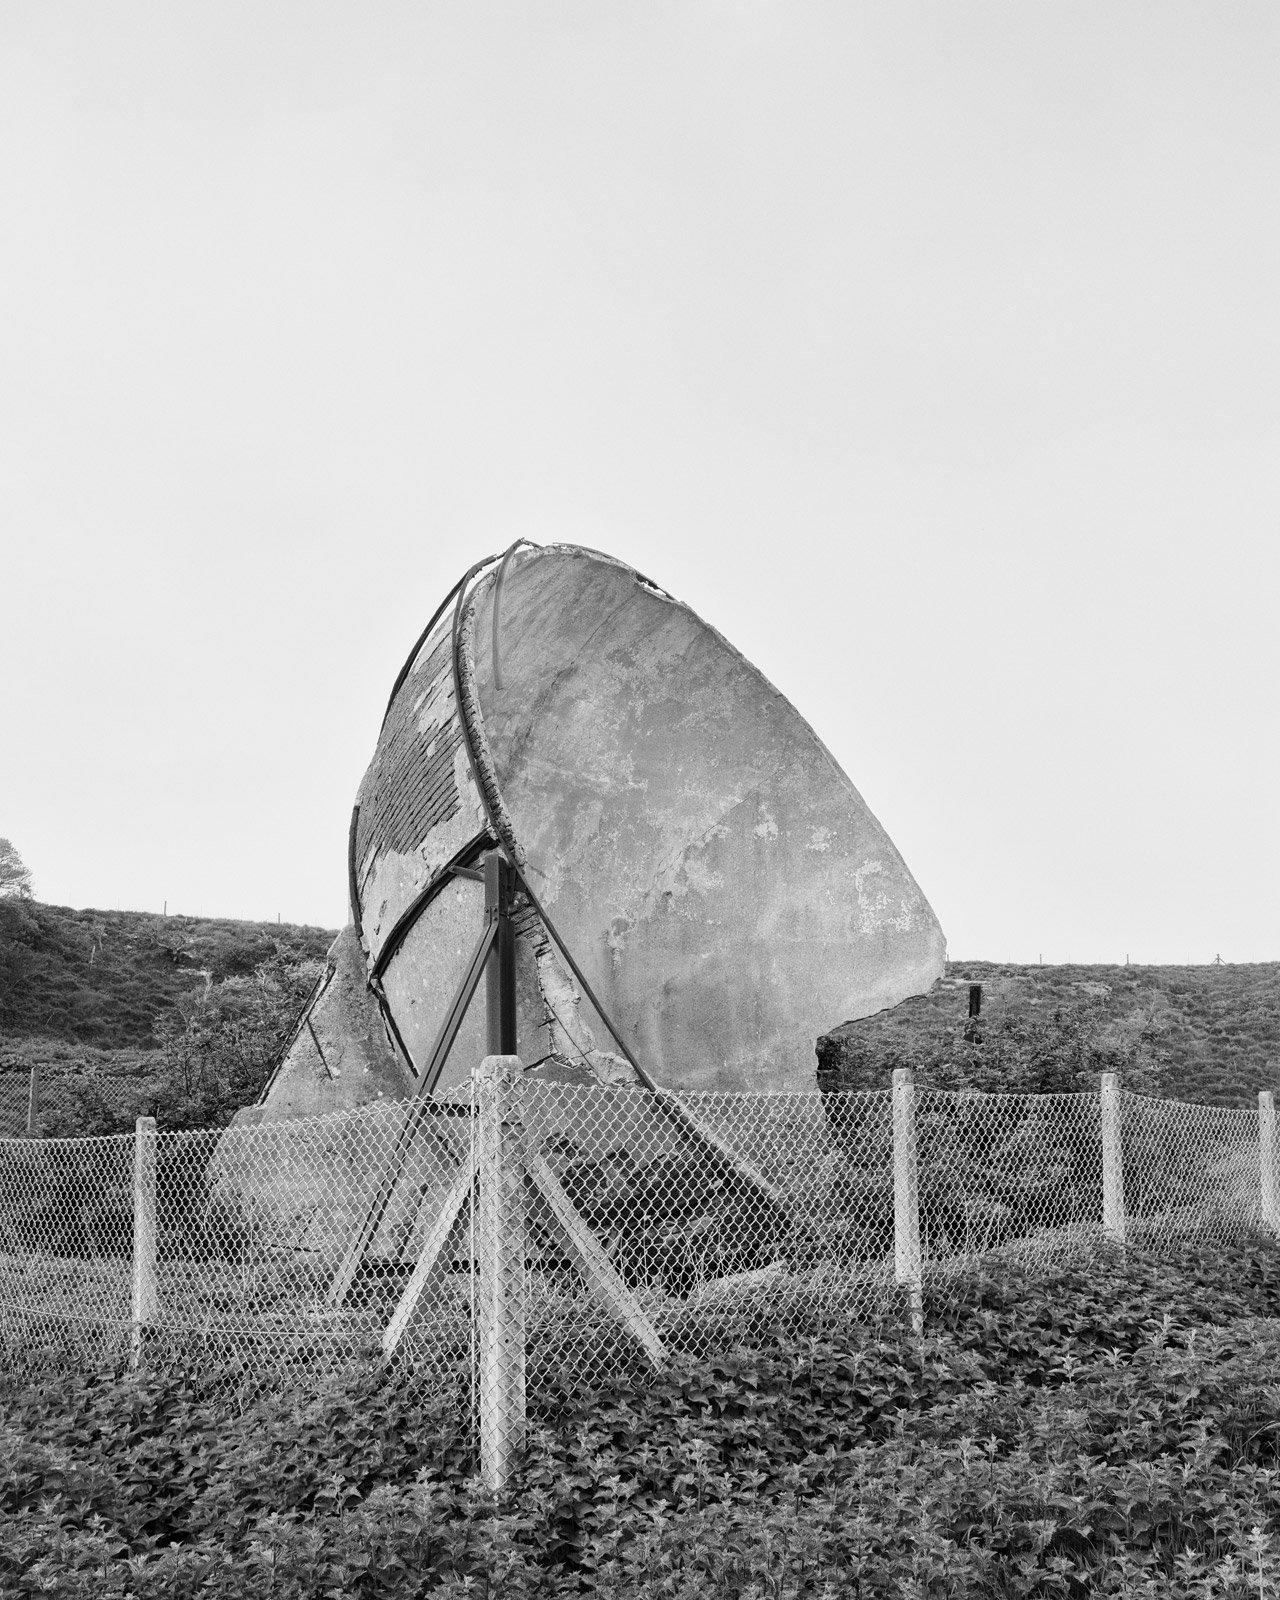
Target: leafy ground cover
[[1105, 1426]]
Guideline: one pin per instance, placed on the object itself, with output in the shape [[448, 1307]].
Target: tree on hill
[[15, 878]]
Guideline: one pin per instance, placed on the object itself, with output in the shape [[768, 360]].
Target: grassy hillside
[[121, 1012], [90, 993], [1209, 1034], [1103, 1425], [104, 978]]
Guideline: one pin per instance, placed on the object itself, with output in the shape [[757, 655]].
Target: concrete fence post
[[1267, 1157], [33, 1103], [907, 1260], [1113, 1218], [145, 1297], [500, 1255]]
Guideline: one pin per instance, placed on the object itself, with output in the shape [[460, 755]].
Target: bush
[[105, 978], [218, 1045]]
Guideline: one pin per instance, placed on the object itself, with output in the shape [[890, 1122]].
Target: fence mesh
[[285, 1246], [1006, 1170], [64, 1099], [550, 1236], [66, 1245], [15, 1095], [1189, 1169], [678, 1226]]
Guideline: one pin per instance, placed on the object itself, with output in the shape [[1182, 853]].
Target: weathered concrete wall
[[420, 811], [341, 1057], [312, 1182], [722, 884], [421, 981]]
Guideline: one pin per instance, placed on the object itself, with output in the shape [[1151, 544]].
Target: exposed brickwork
[[410, 787]]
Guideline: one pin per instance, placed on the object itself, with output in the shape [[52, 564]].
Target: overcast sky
[[931, 352]]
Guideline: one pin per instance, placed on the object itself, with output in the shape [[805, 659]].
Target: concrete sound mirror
[[697, 891]]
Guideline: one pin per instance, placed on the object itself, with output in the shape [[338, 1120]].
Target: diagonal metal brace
[[340, 1288], [586, 1251]]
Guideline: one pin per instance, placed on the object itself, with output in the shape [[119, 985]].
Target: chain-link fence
[[1189, 1169], [550, 1234], [41, 1102], [665, 1226], [1002, 1169], [17, 1113], [282, 1249]]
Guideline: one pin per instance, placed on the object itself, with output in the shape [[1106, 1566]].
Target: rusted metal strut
[[494, 954]]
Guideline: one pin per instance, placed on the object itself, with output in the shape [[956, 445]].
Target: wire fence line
[[31, 1101], [19, 1103], [544, 1236]]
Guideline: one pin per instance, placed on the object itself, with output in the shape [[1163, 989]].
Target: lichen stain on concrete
[[766, 828]]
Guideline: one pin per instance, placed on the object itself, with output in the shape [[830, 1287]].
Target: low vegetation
[[1206, 1034], [127, 1014], [1103, 1427], [105, 978]]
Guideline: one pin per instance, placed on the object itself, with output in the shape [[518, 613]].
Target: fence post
[[33, 1103], [1267, 1155], [500, 1250], [145, 1298], [907, 1263], [1113, 1220]]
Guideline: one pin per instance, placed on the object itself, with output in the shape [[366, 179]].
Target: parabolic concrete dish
[[703, 890]]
